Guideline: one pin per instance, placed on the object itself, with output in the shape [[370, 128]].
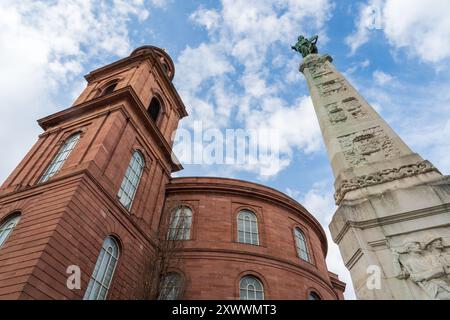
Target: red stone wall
[[64, 225], [213, 260], [65, 220]]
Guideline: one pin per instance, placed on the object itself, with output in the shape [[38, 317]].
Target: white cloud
[[207, 18], [381, 78], [156, 3], [46, 46], [296, 126], [421, 27], [201, 64], [434, 140], [369, 18], [235, 63]]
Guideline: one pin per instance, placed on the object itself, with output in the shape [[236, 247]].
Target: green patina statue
[[305, 46]]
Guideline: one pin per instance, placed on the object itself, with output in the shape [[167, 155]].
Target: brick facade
[[65, 220]]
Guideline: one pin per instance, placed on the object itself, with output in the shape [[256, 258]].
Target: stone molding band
[[383, 176]]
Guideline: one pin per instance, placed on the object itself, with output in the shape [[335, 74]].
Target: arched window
[[300, 243], [131, 180], [154, 109], [251, 289], [60, 157], [248, 228], [103, 271], [313, 296], [180, 224], [109, 89], [165, 67], [171, 287], [7, 227]]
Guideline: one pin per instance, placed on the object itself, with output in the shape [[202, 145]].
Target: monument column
[[392, 224]]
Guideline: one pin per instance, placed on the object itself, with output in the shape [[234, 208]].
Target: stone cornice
[[126, 93], [391, 219], [239, 187], [383, 176]]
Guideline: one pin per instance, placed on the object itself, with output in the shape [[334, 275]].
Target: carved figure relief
[[332, 87], [427, 264], [366, 146]]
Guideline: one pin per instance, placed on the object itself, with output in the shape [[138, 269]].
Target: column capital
[[314, 59]]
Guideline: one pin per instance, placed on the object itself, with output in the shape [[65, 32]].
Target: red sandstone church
[[96, 189]]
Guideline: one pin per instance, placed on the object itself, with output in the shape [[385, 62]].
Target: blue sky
[[235, 69]]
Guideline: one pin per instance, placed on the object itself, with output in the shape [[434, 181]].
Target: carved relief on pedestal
[[427, 264], [380, 177], [335, 113], [339, 112], [332, 87], [368, 145], [354, 107]]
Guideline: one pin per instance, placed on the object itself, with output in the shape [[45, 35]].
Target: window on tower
[[60, 157], [251, 288], [313, 296], [109, 89], [300, 243], [154, 109], [180, 224], [247, 225], [7, 227], [131, 180], [103, 271], [171, 287]]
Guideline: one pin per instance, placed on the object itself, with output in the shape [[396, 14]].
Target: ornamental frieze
[[383, 176]]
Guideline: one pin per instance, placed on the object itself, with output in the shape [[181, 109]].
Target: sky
[[235, 70]]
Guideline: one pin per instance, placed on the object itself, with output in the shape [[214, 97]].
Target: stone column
[[393, 216]]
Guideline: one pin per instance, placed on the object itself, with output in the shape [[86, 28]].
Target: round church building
[[245, 241]]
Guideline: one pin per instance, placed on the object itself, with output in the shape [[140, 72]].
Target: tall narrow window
[[171, 287], [154, 108], [180, 224], [313, 296], [103, 271], [131, 180], [300, 243], [251, 289], [60, 157], [7, 227], [248, 228]]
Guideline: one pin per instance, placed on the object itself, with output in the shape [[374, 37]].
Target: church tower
[[92, 188], [392, 224]]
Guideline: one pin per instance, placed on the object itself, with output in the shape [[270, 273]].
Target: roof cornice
[[240, 187]]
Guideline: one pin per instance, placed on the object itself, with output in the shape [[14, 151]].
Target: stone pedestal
[[393, 220], [375, 231]]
